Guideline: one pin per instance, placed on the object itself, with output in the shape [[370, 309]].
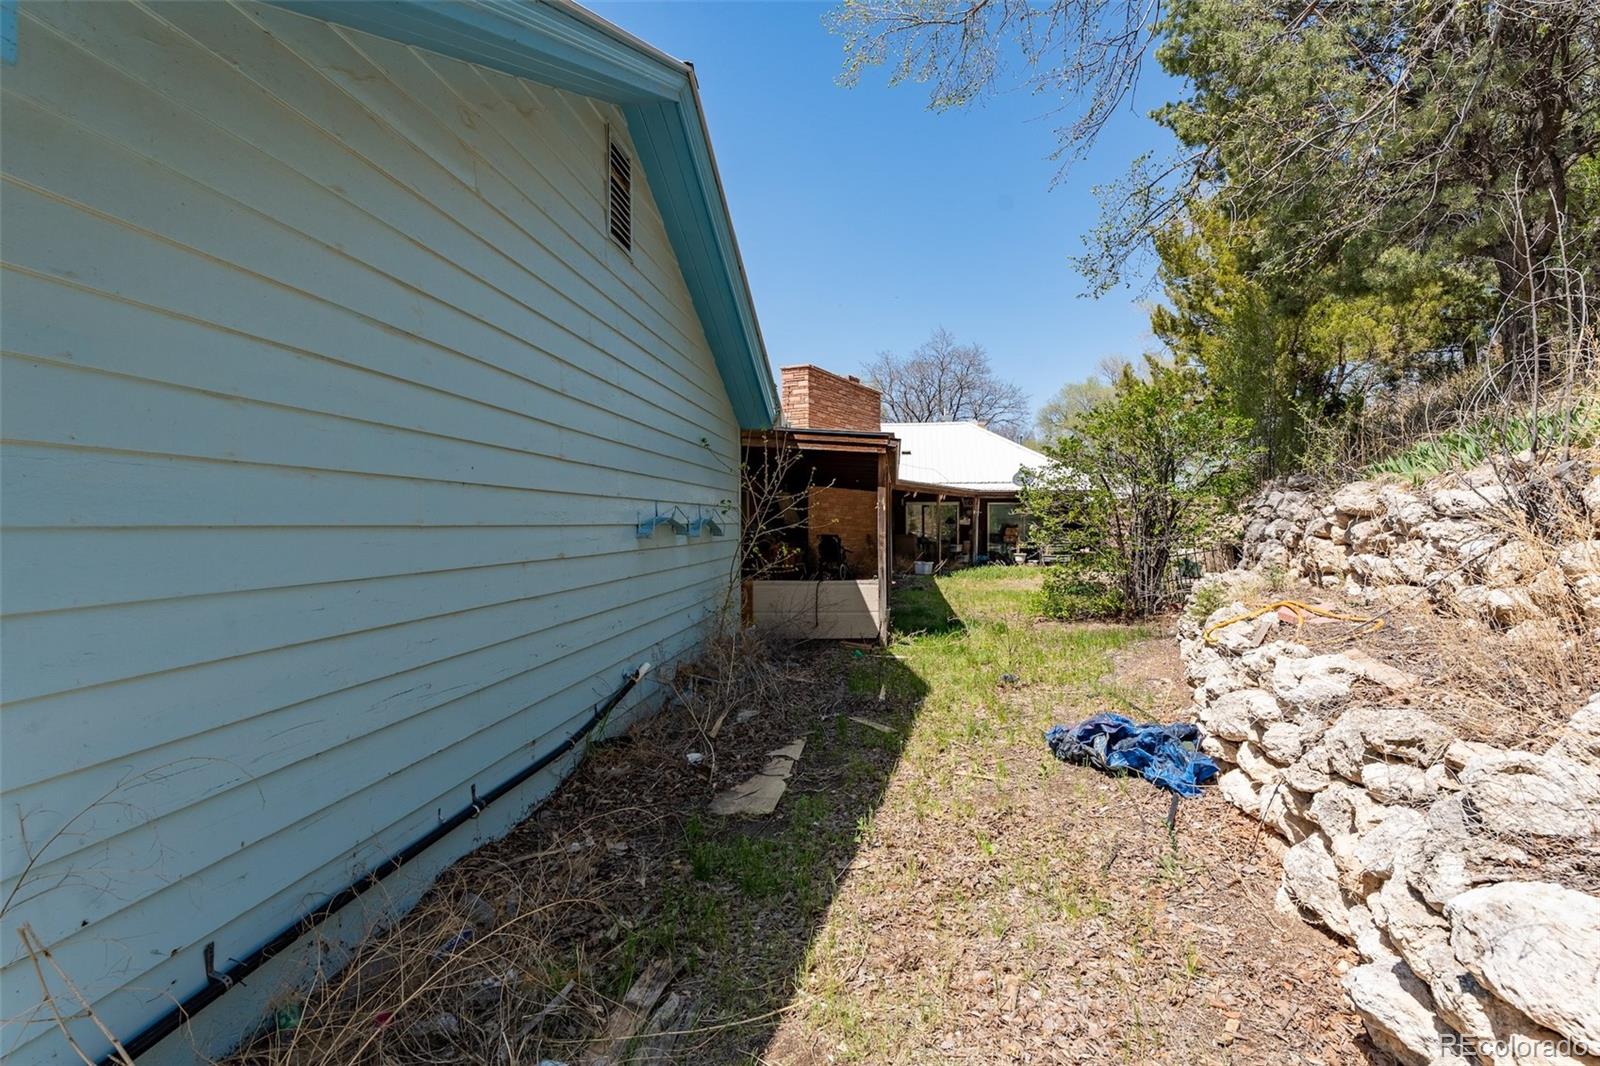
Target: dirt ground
[[933, 886]]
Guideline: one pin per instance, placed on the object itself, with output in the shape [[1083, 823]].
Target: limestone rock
[[1380, 673], [1586, 590], [1358, 498], [1312, 881], [1398, 1012], [1237, 788], [1314, 684], [1537, 946], [1368, 938], [1518, 794], [1505, 607], [1283, 742], [1223, 750], [1461, 752], [1324, 557], [1591, 496], [1451, 533], [1343, 808], [1376, 849], [1256, 766], [1539, 633], [1501, 1034], [1579, 559], [1231, 715], [1579, 740], [1398, 782], [1310, 772], [1456, 854], [1272, 555], [1281, 808], [1405, 509], [1469, 502], [1413, 561], [1392, 733], [1419, 933], [1513, 563], [1288, 812]]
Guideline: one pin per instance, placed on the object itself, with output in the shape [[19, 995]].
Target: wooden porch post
[[977, 517], [884, 555]]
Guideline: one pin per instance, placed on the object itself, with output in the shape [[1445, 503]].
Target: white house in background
[[371, 372], [957, 494]]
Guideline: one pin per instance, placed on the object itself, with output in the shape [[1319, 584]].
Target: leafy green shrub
[[1073, 596], [1467, 446], [1206, 597], [1147, 472]]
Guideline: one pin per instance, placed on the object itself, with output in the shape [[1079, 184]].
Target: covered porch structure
[[947, 526], [817, 536]]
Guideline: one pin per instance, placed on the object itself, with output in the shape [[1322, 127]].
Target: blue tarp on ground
[[1165, 755]]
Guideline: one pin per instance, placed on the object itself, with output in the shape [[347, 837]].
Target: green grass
[[960, 669]]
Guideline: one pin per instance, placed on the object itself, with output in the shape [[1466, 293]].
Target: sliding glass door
[[935, 525], [1008, 527]]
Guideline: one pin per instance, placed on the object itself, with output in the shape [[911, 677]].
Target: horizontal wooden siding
[[329, 411]]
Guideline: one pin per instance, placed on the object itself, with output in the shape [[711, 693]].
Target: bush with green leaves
[[1145, 474], [1071, 595]]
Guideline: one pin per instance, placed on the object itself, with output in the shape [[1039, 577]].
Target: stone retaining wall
[[1464, 874], [1454, 540]]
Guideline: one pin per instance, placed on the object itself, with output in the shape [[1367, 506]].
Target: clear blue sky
[[866, 220]]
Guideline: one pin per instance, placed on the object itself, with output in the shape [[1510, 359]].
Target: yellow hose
[[1300, 609]]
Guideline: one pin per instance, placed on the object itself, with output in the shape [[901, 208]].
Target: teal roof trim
[[561, 44]]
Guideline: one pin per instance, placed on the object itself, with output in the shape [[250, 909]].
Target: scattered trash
[[760, 794], [1010, 679], [695, 758], [631, 1014], [490, 989], [287, 1018], [870, 724], [744, 716], [457, 942], [1165, 755]]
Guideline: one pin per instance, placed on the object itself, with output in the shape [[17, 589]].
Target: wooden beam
[[885, 557]]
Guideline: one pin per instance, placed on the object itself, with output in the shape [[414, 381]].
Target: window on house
[[619, 184], [1008, 526]]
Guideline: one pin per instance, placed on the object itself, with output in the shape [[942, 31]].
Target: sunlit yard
[[1001, 905]]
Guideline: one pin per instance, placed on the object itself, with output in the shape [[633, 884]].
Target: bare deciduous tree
[[1380, 121], [946, 381]]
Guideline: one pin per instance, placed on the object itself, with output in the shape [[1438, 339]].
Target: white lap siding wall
[[330, 408]]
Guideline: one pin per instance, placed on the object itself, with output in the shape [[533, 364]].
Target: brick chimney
[[814, 398]]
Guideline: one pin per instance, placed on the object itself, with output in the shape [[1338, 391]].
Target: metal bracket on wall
[[648, 526], [209, 953], [8, 31]]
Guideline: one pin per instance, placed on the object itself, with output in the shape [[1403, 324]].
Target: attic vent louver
[[621, 195]]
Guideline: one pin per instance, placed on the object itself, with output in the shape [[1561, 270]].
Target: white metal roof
[[961, 455]]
